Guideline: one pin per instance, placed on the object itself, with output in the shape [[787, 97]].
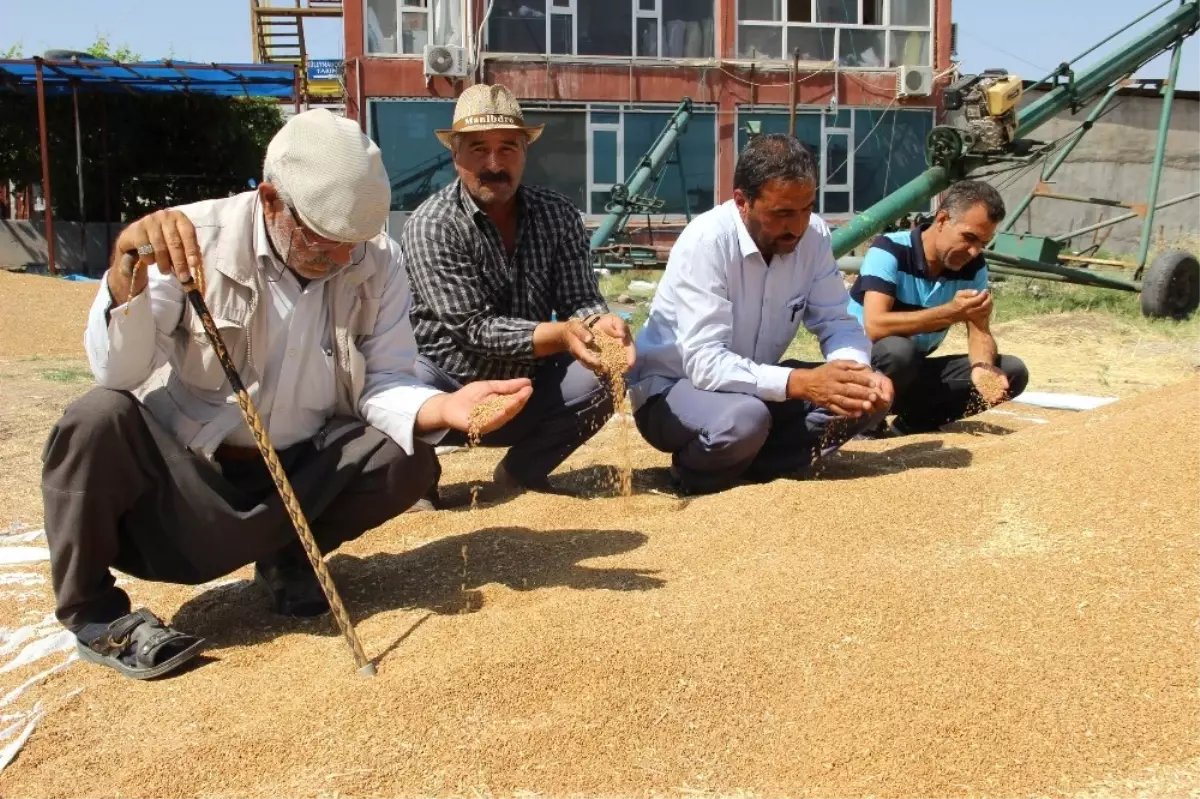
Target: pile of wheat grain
[[481, 415]]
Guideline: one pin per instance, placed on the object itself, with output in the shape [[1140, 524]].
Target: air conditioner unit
[[914, 81], [445, 61]]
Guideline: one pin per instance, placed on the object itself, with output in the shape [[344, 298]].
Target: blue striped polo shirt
[[896, 266]]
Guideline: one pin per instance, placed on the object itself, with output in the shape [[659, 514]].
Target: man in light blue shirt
[[914, 285], [708, 387]]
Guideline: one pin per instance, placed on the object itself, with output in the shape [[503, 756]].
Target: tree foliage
[[101, 49], [159, 149]]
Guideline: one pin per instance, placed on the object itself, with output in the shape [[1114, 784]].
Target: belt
[[229, 452]]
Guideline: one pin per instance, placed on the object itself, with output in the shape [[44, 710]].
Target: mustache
[[495, 177]]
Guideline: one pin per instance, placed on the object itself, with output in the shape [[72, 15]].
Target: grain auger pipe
[[627, 197], [993, 130]]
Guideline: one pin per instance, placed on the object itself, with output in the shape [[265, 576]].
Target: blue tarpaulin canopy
[[98, 75]]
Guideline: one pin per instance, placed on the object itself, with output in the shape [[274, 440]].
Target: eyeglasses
[[320, 249], [311, 240]]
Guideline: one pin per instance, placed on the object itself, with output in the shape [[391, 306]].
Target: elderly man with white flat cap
[[503, 287], [154, 473]]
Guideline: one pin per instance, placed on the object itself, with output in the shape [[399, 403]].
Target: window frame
[[784, 26], [637, 14], [401, 10]]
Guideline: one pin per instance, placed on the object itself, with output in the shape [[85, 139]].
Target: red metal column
[[49, 217], [726, 142], [941, 35]]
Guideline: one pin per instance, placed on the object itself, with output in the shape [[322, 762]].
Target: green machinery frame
[[1170, 286], [611, 248]]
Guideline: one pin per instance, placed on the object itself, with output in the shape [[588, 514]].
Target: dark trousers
[[717, 438], [121, 492], [569, 405], [931, 392]]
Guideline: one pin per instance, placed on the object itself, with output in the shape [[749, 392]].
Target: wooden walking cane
[[195, 296]]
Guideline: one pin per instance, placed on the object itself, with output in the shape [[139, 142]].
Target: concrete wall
[[23, 244], [1113, 161]]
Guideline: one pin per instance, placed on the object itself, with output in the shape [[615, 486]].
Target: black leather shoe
[[290, 580]]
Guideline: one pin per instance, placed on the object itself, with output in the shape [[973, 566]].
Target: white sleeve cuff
[[394, 411], [120, 347], [849, 354], [772, 383]]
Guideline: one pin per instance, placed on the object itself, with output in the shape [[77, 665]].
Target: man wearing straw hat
[[154, 472], [503, 287]]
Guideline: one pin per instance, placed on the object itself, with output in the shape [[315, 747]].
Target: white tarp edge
[[21, 538], [12, 555], [10, 750], [61, 641], [1062, 402]]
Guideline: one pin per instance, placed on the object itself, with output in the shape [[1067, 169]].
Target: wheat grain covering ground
[[1008, 608]]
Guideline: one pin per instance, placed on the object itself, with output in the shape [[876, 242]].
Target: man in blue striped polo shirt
[[913, 286]]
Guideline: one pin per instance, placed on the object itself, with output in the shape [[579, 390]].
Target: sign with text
[[325, 69]]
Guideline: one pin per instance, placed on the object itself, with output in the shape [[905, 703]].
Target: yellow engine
[[989, 105], [1003, 95]]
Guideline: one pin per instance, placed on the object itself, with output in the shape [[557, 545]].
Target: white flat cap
[[333, 174]]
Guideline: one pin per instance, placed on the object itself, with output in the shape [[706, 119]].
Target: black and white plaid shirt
[[474, 308]]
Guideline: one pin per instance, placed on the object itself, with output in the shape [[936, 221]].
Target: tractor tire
[[1171, 288]]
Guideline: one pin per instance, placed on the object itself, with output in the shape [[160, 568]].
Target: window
[[837, 11], [863, 48], [909, 48], [557, 160], [863, 154], [689, 176], [808, 125], [890, 153], [913, 13], [416, 161], [622, 28], [863, 34], [404, 27]]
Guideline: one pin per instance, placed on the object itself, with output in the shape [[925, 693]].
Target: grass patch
[[639, 319], [1021, 298], [1018, 298], [67, 374], [617, 282]]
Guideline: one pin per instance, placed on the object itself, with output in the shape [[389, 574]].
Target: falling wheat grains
[[613, 363], [833, 434], [480, 415], [462, 589]]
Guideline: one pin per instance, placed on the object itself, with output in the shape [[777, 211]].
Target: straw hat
[[483, 107], [333, 175]]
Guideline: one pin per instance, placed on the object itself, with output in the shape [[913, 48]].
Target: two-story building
[[605, 75]]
